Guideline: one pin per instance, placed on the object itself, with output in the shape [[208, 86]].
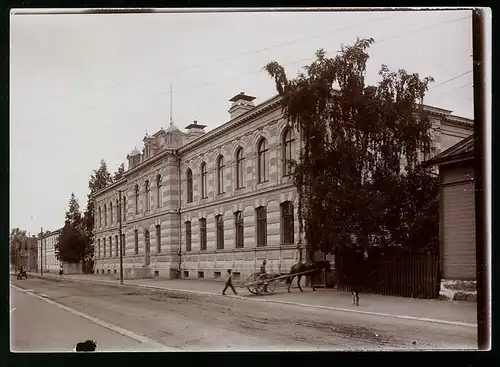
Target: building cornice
[[259, 110]]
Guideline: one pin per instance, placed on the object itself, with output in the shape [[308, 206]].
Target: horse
[[315, 266]]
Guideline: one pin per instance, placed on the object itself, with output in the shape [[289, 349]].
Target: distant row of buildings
[[35, 252]]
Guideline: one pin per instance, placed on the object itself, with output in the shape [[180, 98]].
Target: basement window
[[185, 274], [109, 271], [157, 273], [115, 271], [217, 274], [236, 275], [201, 275]]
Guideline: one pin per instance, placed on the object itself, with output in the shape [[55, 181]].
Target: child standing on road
[[229, 282]]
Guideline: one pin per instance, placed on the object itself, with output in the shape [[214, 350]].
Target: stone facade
[[182, 178]]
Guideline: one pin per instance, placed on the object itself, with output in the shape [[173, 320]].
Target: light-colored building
[[199, 203], [48, 251]]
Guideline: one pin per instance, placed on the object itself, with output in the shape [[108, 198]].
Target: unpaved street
[[200, 322]]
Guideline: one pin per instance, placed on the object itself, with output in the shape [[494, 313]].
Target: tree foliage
[[119, 173], [99, 179], [358, 175], [71, 245], [18, 241]]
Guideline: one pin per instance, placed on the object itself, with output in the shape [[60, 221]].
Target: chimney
[[241, 104], [195, 130]]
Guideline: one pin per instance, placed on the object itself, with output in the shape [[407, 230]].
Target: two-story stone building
[[199, 203]]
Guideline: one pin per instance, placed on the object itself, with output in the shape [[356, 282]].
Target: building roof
[[463, 150], [172, 127], [134, 152]]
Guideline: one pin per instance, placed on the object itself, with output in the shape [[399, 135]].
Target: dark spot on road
[[132, 294], [163, 297]]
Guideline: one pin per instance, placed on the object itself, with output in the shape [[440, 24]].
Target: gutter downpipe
[[179, 253]]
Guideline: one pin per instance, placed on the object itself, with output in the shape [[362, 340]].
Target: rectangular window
[[261, 226], [110, 247], [158, 238], [98, 248], [117, 246], [123, 244], [104, 245], [238, 229], [287, 229], [188, 236], [219, 220], [203, 234], [124, 208], [136, 241]]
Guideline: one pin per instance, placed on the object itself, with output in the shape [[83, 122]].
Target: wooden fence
[[388, 272]]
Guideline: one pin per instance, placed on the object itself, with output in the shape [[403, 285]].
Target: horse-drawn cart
[[266, 283]]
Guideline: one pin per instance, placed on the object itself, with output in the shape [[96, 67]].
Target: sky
[[86, 87]]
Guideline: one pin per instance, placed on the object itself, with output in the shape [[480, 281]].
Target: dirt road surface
[[201, 322]]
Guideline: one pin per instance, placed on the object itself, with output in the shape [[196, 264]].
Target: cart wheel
[[271, 286], [252, 279]]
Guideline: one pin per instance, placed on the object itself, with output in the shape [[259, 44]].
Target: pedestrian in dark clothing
[[229, 282]]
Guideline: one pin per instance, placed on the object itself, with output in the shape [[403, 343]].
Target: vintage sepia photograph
[[247, 180]]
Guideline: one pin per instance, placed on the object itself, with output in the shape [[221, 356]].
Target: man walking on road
[[229, 282]]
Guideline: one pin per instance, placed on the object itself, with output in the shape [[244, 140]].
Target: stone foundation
[[458, 290]]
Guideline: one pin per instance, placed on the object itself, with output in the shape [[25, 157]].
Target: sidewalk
[[400, 307]]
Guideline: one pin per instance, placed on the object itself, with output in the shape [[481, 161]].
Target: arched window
[[239, 168], [118, 210], [105, 215], [189, 184], [204, 180], [148, 195], [100, 217], [262, 150], [111, 212], [287, 152], [158, 191], [136, 194], [220, 175]]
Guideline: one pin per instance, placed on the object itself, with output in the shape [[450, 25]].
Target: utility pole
[[41, 250], [480, 115], [120, 234], [29, 251]]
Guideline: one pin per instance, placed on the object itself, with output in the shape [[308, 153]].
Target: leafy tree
[[18, 241], [119, 173], [99, 179], [358, 175], [71, 244]]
